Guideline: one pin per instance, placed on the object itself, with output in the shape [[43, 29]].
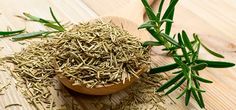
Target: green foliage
[[19, 35], [187, 63]]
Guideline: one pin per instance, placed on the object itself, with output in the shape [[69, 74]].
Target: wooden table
[[213, 20]]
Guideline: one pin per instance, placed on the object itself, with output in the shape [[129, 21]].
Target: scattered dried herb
[[91, 54], [142, 95], [4, 86], [10, 105]]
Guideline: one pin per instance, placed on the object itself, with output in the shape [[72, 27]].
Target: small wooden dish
[[105, 90], [130, 18]]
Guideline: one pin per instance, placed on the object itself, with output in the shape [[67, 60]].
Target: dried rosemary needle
[[91, 54], [94, 54]]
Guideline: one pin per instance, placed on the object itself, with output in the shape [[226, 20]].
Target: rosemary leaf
[[182, 56], [197, 98], [169, 39], [199, 66], [56, 19], [164, 68], [160, 10], [54, 27], [195, 54], [28, 35], [167, 20], [171, 48], [177, 72], [212, 52], [189, 80], [187, 41], [170, 82], [176, 86], [170, 9], [184, 67], [7, 33], [150, 14], [216, 64], [149, 11], [155, 34], [169, 24], [37, 19], [151, 43], [147, 24], [185, 54], [170, 15], [202, 79], [200, 90], [181, 94], [187, 97], [199, 93]]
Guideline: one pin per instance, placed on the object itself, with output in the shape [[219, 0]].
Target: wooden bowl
[[105, 90], [130, 19]]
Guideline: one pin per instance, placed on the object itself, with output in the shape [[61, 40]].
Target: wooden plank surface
[[214, 20]]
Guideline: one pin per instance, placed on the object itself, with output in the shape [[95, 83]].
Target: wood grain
[[214, 21]]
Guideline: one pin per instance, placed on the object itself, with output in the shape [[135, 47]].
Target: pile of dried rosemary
[[94, 54], [90, 54]]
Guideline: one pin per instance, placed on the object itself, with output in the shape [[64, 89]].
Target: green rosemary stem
[[187, 63]]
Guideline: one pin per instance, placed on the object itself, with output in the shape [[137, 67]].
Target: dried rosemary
[[91, 54], [10, 105], [142, 95], [99, 53], [4, 86]]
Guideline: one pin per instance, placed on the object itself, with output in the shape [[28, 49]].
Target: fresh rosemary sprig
[[155, 23], [188, 65], [49, 23], [55, 25], [32, 35], [9, 33], [184, 52]]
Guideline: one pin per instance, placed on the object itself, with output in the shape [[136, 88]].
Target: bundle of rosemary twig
[[184, 52]]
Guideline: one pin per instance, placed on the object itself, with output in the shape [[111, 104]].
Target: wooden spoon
[[130, 18]]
